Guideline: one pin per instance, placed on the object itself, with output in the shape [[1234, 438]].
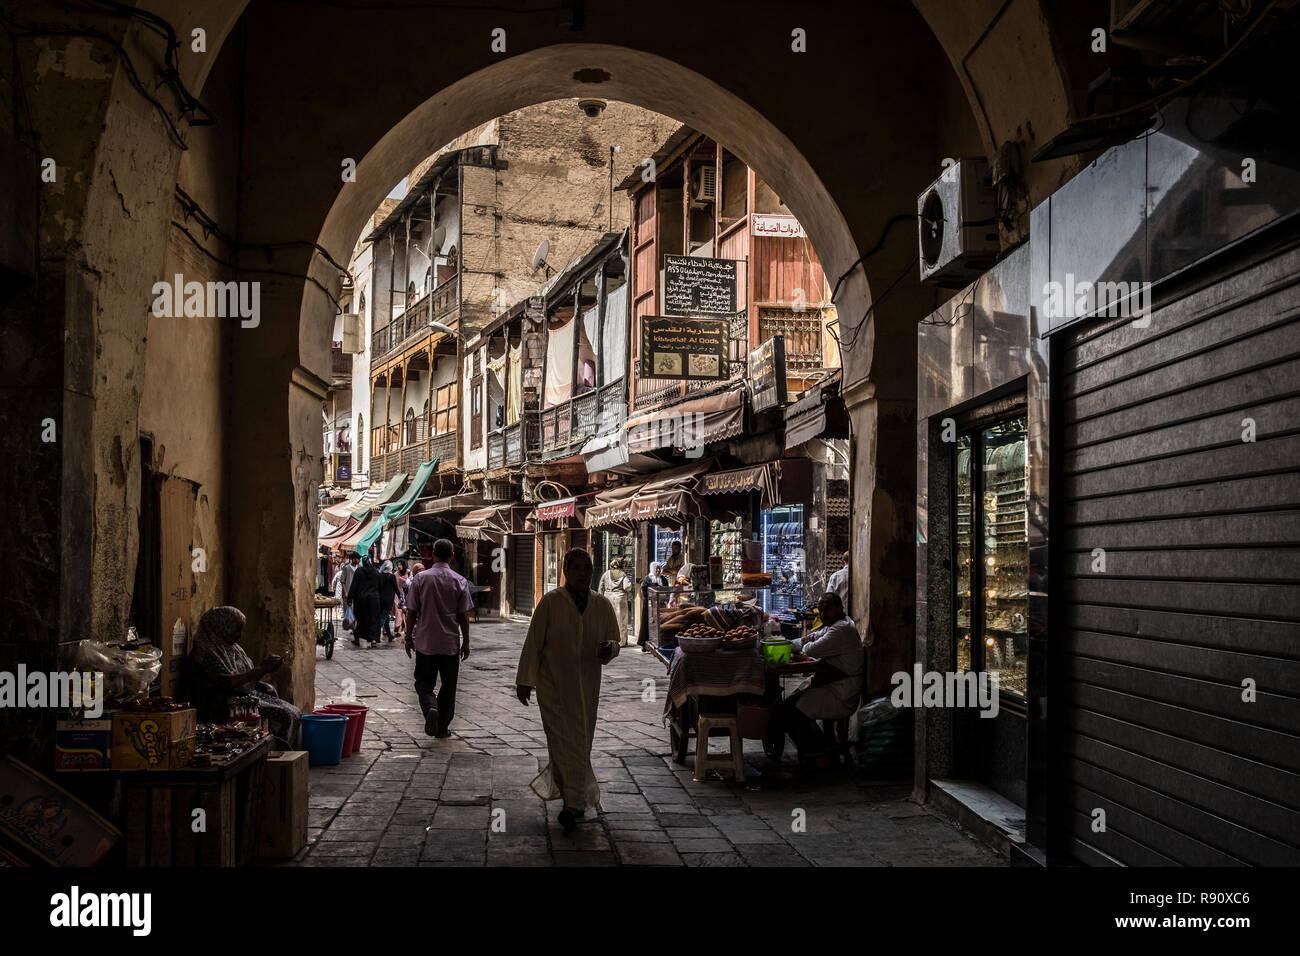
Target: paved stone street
[[408, 799]]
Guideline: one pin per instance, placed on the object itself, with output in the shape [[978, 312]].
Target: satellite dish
[[439, 237], [539, 257]]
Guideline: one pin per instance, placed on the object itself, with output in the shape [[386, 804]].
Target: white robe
[[560, 660]]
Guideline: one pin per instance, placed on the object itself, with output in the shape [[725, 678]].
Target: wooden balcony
[[515, 444], [567, 427], [440, 305], [401, 448], [340, 364]]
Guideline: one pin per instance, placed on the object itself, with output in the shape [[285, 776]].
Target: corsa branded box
[[153, 741]]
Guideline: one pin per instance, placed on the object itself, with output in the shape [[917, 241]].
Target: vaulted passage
[[260, 145]]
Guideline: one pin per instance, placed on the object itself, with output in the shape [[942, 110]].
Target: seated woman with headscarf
[[220, 669]]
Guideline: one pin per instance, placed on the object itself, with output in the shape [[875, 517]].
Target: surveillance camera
[[591, 108]]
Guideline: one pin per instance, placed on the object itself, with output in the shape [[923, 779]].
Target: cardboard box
[[145, 741], [41, 823], [83, 744], [284, 809]]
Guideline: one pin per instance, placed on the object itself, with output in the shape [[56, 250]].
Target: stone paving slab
[[411, 800]]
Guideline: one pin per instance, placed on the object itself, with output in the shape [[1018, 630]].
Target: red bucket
[[752, 720], [356, 715]]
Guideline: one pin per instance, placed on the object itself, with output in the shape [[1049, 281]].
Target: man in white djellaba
[[572, 635]]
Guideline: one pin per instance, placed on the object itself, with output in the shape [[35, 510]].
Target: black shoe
[[444, 734], [568, 821], [431, 723]]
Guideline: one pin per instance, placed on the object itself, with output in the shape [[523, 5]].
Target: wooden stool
[[703, 761]]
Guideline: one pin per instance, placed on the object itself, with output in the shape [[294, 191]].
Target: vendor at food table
[[834, 688], [220, 669]]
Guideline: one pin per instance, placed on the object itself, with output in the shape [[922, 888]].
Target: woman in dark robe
[[220, 669], [364, 599]]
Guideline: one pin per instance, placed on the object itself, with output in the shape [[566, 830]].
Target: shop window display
[[991, 538], [781, 535], [725, 542]]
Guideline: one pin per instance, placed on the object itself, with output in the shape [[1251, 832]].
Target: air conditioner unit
[[705, 189], [352, 338], [958, 226]]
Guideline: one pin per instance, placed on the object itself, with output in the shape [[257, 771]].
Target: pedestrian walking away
[[616, 586], [387, 597], [363, 598], [572, 635], [437, 618]]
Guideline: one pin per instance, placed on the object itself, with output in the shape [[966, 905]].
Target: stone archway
[[862, 119]]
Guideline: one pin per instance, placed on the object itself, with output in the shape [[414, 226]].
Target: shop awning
[[611, 506], [451, 504], [689, 424], [552, 510], [491, 522], [667, 496], [820, 413], [338, 514], [377, 497], [610, 453], [397, 509], [340, 534], [761, 478], [351, 541]]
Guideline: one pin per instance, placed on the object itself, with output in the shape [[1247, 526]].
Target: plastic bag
[[127, 674], [349, 620]]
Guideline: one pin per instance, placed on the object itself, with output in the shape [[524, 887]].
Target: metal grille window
[[803, 335]]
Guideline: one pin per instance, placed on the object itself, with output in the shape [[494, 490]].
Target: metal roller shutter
[[1199, 529], [521, 563]]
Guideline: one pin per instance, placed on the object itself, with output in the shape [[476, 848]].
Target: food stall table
[[716, 676], [160, 807]]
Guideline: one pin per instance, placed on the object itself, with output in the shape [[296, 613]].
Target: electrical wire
[[128, 66], [856, 330], [893, 221], [245, 269]]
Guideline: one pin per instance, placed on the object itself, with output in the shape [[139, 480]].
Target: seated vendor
[[220, 669], [832, 691]]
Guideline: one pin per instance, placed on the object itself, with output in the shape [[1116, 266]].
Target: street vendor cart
[[325, 635], [708, 641]]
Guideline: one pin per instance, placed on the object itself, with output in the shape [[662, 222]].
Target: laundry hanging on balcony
[[515, 385], [559, 365]]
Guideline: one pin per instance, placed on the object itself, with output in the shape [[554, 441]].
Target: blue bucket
[[322, 735]]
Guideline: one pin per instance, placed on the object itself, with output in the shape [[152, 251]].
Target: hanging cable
[[245, 269]]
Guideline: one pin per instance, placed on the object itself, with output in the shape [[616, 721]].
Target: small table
[[160, 807]]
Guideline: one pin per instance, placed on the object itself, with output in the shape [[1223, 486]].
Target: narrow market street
[[408, 799]]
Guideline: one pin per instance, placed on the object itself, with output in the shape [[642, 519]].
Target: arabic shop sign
[[694, 285], [683, 348], [767, 374], [777, 227]]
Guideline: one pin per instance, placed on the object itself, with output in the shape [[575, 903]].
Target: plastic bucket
[[776, 652], [322, 735], [752, 720], [356, 715]]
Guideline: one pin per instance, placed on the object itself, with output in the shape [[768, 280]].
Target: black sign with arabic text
[[767, 374], [673, 347], [694, 285]]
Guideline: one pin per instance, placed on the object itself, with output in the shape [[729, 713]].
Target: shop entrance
[[991, 595]]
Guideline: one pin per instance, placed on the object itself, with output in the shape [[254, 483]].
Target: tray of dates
[[739, 637]]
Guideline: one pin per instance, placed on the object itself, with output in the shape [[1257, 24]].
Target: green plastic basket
[[776, 652]]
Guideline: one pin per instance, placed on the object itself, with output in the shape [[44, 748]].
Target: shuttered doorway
[[1180, 558], [521, 565]]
